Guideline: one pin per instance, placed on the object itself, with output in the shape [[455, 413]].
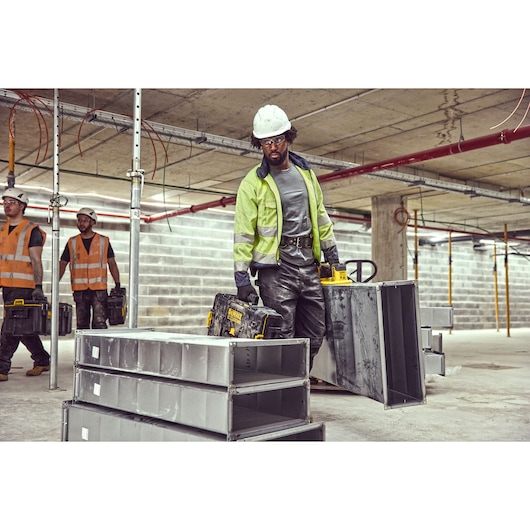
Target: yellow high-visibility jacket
[[16, 268], [258, 219]]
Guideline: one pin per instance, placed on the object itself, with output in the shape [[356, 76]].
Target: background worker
[[21, 243], [89, 254], [281, 227]]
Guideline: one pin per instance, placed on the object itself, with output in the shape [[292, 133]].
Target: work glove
[[247, 293], [117, 290], [331, 255], [38, 294]]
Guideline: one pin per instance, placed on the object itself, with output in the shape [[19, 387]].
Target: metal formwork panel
[[88, 423], [209, 360], [237, 412], [373, 342]]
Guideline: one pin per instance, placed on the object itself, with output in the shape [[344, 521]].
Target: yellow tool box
[[117, 306], [233, 317], [32, 317]]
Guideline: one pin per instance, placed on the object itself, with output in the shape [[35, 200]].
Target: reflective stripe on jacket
[[16, 268], [88, 270], [258, 218]]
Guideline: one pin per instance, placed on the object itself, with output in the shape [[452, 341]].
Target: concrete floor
[[485, 396]]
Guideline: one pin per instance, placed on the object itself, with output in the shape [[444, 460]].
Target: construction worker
[[281, 227], [21, 243], [89, 254]]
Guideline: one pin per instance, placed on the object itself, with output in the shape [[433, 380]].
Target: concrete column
[[389, 239]]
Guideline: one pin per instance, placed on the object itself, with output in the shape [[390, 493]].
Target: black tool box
[[117, 306], [65, 320], [233, 317], [33, 317]]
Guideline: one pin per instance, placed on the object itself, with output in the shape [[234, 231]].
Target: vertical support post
[[11, 165], [450, 272], [389, 237], [507, 281], [54, 333], [137, 175], [416, 253], [495, 285]]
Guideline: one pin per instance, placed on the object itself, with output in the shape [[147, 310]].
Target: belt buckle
[[298, 242]]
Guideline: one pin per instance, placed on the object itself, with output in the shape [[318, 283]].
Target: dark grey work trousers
[[296, 293], [91, 305], [9, 343]]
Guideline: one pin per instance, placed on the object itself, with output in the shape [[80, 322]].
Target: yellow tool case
[[117, 306], [32, 317], [233, 317]]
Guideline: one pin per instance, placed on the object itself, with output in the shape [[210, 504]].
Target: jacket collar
[[264, 169]]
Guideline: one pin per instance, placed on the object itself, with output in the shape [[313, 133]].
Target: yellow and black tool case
[[33, 317], [117, 306], [233, 317]]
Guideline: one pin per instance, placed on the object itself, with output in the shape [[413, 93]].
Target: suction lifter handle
[[359, 270]]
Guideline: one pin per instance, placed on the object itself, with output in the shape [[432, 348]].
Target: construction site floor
[[484, 397]]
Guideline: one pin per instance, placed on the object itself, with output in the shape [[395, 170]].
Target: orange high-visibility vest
[[16, 269], [88, 270]]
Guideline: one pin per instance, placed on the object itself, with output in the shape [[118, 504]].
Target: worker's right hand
[[117, 291], [38, 295], [247, 293]]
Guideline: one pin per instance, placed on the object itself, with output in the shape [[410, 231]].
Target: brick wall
[[185, 260]]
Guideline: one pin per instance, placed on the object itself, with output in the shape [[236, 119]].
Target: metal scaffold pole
[[54, 332], [137, 177]]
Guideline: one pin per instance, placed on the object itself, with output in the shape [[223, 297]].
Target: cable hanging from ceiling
[[91, 115], [514, 111], [31, 101]]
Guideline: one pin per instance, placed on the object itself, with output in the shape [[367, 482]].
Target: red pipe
[[70, 210], [225, 201], [504, 137]]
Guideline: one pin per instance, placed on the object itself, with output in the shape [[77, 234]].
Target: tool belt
[[299, 242]]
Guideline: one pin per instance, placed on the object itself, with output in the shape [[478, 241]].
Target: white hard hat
[[269, 121], [19, 195], [89, 212]]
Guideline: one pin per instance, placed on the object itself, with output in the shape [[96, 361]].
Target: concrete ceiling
[[195, 150]]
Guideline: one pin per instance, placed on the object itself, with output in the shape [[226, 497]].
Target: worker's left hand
[[38, 294], [247, 293]]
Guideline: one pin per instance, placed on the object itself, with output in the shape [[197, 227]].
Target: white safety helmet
[[19, 195], [89, 212], [269, 121]]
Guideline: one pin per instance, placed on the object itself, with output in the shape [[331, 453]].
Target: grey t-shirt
[[296, 220]]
